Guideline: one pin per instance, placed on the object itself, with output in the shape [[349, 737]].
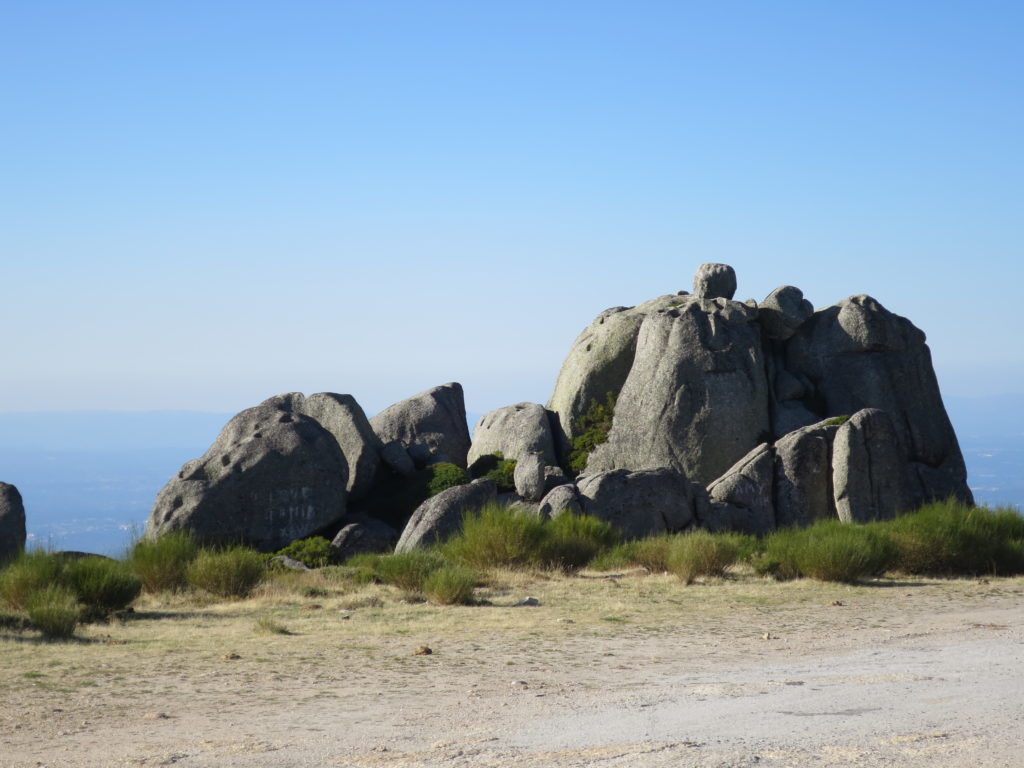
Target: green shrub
[[949, 538], [27, 574], [450, 585], [837, 421], [54, 611], [497, 536], [233, 572], [406, 570], [572, 541], [828, 550], [314, 552], [103, 586], [445, 475], [591, 430], [496, 467], [650, 553], [161, 562], [700, 553]]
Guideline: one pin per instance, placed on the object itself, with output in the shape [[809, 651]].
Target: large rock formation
[[12, 522], [270, 477], [696, 398], [431, 426], [343, 417], [741, 500], [441, 516], [514, 431], [643, 503], [803, 488], [869, 469]]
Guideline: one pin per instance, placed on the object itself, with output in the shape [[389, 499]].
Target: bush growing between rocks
[[592, 430], [229, 573], [406, 570], [496, 535], [445, 475], [496, 467], [54, 611], [572, 541], [161, 563], [314, 552], [828, 550]]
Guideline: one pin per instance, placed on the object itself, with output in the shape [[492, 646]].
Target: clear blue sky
[[206, 203]]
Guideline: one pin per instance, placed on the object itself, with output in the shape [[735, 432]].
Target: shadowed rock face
[[270, 477], [696, 398], [642, 503], [12, 522], [441, 516], [431, 426]]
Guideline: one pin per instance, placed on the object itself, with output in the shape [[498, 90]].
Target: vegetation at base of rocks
[[828, 550], [573, 541], [27, 574], [54, 610], [450, 585], [650, 553], [837, 421], [103, 586], [313, 552], [496, 467], [161, 562], [228, 573], [700, 553], [405, 570], [591, 429], [445, 475]]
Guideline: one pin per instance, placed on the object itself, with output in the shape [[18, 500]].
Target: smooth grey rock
[[395, 456], [714, 281], [562, 499], [869, 469], [529, 476], [642, 503], [431, 425], [290, 563], [783, 311], [554, 477], [803, 476], [270, 477], [857, 354], [514, 431], [598, 363], [343, 417], [12, 522], [747, 486], [440, 516], [362, 536], [696, 398]]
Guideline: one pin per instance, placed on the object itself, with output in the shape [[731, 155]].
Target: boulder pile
[[691, 409]]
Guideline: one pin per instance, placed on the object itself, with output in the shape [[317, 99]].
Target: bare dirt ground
[[630, 671]]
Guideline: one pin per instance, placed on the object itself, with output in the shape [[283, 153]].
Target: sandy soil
[[916, 674]]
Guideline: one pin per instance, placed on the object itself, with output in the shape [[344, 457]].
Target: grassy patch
[[229, 573], [161, 562], [103, 586], [450, 585], [54, 611], [828, 550], [496, 536], [314, 552], [701, 554], [591, 429]]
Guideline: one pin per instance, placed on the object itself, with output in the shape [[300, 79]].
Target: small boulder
[[395, 456], [714, 281], [440, 516], [783, 311], [561, 500], [514, 431], [529, 476], [554, 477], [365, 535], [642, 503], [12, 522], [747, 487], [431, 426]]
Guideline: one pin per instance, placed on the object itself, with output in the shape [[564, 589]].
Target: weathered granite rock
[[12, 522], [598, 363], [362, 536], [431, 425], [745, 494], [270, 477], [343, 417], [803, 476], [714, 281], [857, 354], [562, 499], [440, 516], [783, 311], [554, 477], [514, 431], [642, 503], [529, 476], [696, 398], [869, 469], [395, 456]]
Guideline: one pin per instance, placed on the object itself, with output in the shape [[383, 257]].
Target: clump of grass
[[27, 574], [948, 538], [54, 611], [161, 562], [700, 553], [828, 550], [572, 541], [497, 468], [497, 536], [450, 585], [591, 430], [650, 553], [102, 585], [313, 552], [445, 475], [265, 625], [229, 573], [405, 570]]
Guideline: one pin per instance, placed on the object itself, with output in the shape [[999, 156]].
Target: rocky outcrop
[[12, 522], [441, 516], [803, 476], [598, 363], [642, 503], [714, 281], [514, 431], [783, 311], [742, 499], [869, 469], [529, 476], [270, 477], [343, 417], [696, 398], [431, 426], [364, 535]]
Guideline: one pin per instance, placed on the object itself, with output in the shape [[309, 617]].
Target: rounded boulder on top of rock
[[12, 522], [431, 426], [714, 281], [514, 431], [783, 311]]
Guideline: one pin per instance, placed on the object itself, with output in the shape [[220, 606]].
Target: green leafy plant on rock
[[496, 467], [592, 429], [445, 475], [314, 552]]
